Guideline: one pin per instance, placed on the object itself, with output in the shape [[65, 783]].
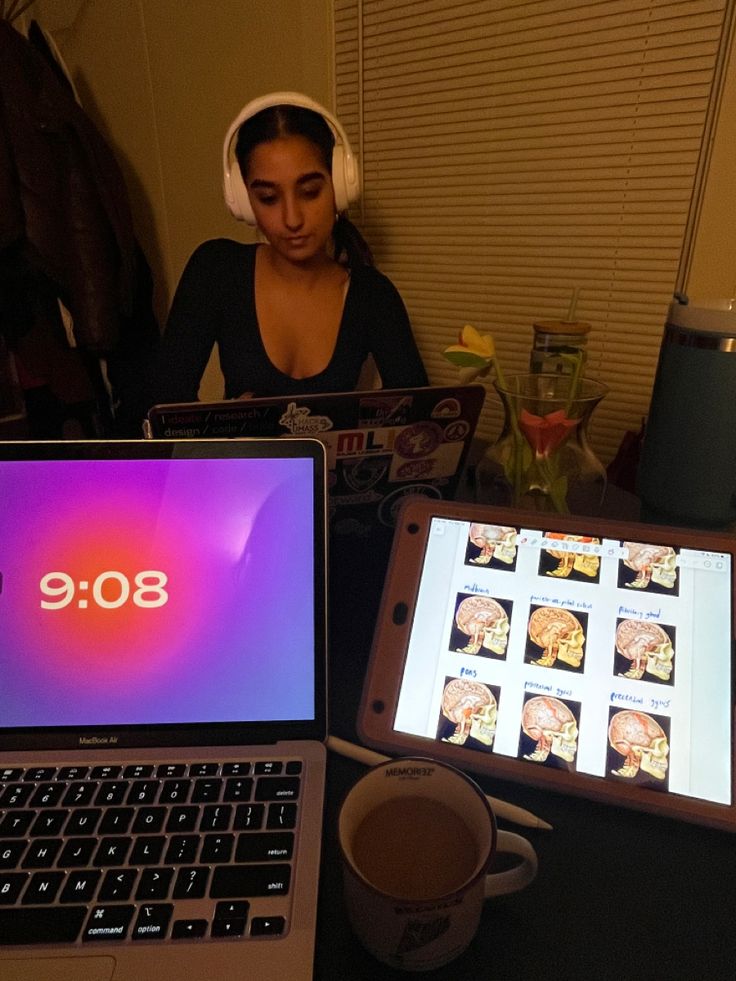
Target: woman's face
[[291, 193]]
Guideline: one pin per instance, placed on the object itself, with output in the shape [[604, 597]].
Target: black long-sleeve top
[[215, 303]]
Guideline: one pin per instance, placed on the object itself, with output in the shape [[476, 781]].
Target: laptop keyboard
[[143, 852]]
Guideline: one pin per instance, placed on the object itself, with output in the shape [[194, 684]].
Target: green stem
[[499, 374], [574, 381], [557, 485], [519, 440]]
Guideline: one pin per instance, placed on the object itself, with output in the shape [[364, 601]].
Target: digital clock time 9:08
[[110, 590]]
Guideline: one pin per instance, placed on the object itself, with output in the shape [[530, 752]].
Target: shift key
[[232, 882]]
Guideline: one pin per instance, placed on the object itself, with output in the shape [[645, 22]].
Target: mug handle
[[501, 883]]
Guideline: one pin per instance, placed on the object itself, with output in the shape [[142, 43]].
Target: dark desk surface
[[619, 894]]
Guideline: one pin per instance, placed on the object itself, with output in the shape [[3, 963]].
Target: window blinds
[[513, 152]]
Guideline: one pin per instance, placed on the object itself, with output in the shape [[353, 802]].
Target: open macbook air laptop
[[381, 445], [162, 708], [586, 656]]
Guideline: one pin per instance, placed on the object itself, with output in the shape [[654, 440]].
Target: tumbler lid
[[708, 316]]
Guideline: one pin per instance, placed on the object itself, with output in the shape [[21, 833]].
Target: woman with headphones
[[301, 311]]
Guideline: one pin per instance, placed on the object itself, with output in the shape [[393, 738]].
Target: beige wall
[[712, 271], [163, 79]]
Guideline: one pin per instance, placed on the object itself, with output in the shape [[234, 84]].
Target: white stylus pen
[[510, 812]]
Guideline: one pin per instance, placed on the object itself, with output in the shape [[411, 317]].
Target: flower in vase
[[545, 433], [537, 458]]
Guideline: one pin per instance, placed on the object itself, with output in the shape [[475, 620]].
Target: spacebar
[[41, 924]]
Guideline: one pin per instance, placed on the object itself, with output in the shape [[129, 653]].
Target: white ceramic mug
[[417, 838]]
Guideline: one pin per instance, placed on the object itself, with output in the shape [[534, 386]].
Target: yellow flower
[[475, 355], [472, 342]]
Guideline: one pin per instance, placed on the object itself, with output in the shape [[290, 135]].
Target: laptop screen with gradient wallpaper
[[148, 591]]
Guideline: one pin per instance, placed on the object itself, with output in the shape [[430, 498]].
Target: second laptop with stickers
[[382, 445]]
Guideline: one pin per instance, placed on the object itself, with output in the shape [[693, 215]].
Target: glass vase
[[542, 461]]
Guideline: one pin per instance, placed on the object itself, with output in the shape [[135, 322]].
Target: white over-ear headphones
[[345, 174]]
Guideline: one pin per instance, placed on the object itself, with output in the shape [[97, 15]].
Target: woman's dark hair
[[269, 124]]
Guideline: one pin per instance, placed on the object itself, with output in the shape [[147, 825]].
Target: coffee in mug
[[417, 838], [394, 868]]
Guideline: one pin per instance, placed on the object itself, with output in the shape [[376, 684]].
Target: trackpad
[[58, 969]]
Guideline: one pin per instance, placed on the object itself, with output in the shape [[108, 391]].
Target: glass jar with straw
[[559, 346]]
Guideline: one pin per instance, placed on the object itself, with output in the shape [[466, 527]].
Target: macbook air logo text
[[98, 740]]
